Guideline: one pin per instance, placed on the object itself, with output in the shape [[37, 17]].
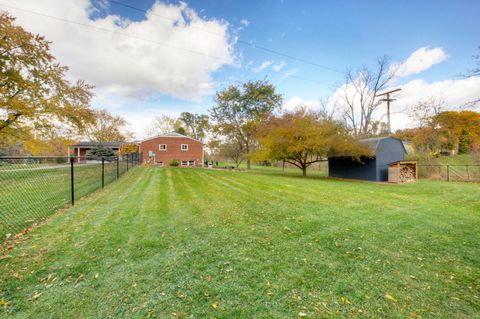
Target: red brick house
[[163, 149]]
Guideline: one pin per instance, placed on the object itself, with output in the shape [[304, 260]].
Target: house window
[[188, 163], [162, 147], [150, 154], [160, 164], [184, 147]]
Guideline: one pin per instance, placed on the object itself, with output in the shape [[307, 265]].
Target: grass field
[[193, 243]]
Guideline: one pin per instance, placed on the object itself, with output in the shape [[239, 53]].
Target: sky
[[148, 58]]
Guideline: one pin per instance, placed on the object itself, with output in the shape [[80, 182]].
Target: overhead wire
[[247, 43], [286, 74]]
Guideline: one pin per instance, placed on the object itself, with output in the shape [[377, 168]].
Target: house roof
[[373, 142], [170, 134], [93, 144]]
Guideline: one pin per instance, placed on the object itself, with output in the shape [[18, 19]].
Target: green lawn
[[194, 243], [316, 170]]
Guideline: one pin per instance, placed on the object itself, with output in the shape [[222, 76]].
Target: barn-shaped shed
[[385, 150]]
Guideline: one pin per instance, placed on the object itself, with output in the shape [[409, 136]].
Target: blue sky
[[340, 34], [335, 34]]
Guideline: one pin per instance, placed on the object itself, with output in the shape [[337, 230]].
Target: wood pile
[[407, 174], [402, 172]]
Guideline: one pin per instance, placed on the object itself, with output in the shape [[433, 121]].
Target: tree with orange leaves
[[302, 137]]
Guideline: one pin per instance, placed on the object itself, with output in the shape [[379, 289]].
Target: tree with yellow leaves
[[34, 94]]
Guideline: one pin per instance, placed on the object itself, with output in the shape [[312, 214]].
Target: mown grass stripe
[[175, 241]]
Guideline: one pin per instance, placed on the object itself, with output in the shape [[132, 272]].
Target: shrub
[[99, 151], [174, 163]]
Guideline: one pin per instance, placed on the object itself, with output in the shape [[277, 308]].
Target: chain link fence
[[33, 188], [451, 173]]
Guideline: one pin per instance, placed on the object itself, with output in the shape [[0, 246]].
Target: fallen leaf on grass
[[345, 301], [4, 303], [302, 314], [77, 282], [390, 297], [35, 296], [214, 305], [17, 275], [180, 295]]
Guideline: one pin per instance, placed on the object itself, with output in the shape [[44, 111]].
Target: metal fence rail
[[33, 188], [447, 172]]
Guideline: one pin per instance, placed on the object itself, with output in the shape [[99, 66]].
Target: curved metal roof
[[373, 142]]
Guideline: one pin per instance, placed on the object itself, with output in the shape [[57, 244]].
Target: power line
[[114, 32], [146, 40], [247, 43], [289, 75]]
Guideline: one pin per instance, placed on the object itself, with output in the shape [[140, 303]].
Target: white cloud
[[286, 75], [272, 65], [419, 61], [127, 66], [455, 93], [245, 22], [262, 66], [279, 66], [297, 101]]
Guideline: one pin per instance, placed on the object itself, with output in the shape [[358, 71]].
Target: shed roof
[[373, 142], [92, 144]]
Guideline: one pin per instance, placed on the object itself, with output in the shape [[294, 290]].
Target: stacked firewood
[[407, 174]]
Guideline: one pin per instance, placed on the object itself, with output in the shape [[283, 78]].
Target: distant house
[[80, 150], [385, 150], [163, 149]]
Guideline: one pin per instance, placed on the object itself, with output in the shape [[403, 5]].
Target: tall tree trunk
[[304, 171]]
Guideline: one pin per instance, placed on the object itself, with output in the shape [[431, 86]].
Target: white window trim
[[184, 162], [160, 147], [182, 149]]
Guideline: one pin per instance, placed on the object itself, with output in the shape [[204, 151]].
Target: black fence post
[[103, 172], [448, 173], [72, 185], [118, 169], [127, 162]]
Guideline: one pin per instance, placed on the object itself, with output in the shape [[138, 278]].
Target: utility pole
[[388, 100]]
